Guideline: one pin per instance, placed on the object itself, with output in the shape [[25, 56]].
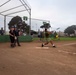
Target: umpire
[[16, 31]]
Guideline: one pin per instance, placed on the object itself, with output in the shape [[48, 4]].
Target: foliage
[[45, 25], [61, 39], [19, 23], [55, 33], [15, 21], [70, 29]]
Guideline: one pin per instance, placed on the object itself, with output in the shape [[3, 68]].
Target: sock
[[53, 45], [43, 43]]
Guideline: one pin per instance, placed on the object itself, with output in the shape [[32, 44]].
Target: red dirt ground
[[31, 59]]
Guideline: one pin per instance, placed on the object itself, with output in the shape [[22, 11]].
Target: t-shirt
[[47, 34]]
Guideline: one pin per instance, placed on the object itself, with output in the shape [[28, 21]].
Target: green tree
[[17, 20], [45, 25], [70, 30], [19, 23], [25, 27]]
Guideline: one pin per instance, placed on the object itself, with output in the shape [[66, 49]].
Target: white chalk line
[[68, 44], [67, 51]]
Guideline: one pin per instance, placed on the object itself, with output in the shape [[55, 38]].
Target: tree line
[[70, 30], [20, 24]]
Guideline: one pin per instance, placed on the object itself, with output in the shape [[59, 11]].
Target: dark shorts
[[47, 39], [12, 39]]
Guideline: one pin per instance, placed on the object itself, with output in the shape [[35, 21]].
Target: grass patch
[[60, 39]]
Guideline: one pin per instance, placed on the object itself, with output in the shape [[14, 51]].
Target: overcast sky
[[61, 13]]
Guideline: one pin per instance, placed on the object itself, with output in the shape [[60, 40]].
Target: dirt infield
[[32, 59]]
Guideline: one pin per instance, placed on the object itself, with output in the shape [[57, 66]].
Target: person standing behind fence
[[16, 31], [39, 34], [2, 31], [11, 34]]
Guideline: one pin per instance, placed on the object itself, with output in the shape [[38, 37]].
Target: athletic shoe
[[19, 45], [54, 46], [42, 45], [12, 46]]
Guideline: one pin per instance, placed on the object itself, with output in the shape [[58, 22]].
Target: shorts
[[47, 39], [12, 39]]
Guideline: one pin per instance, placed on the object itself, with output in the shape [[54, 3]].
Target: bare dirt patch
[[32, 59]]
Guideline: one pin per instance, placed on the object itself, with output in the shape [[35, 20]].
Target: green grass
[[34, 39], [5, 38], [67, 38], [60, 39]]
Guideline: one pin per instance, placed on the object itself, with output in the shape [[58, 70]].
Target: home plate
[[42, 47]]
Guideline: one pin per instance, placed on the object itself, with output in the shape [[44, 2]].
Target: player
[[16, 32], [47, 38], [12, 35]]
